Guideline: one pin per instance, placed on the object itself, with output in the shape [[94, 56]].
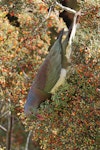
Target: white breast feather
[[60, 81]]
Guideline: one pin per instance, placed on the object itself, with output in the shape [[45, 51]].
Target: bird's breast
[[60, 80]]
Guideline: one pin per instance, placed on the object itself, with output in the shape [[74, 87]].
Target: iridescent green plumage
[[53, 70]]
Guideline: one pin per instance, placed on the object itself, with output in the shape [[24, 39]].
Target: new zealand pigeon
[[53, 70]]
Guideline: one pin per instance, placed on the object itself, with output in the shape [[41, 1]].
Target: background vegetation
[[70, 121]]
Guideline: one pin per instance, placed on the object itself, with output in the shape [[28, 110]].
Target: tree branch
[[5, 114], [66, 8], [9, 131], [28, 139], [40, 25], [3, 128]]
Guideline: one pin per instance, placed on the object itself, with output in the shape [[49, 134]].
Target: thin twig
[[49, 13], [9, 131], [26, 76], [28, 139], [66, 8], [3, 128], [4, 115]]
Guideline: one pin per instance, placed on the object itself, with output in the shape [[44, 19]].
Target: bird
[[53, 70]]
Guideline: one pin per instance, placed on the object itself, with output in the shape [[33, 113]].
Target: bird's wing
[[49, 71]]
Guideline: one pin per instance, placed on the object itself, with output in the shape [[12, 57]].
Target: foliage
[[71, 119]]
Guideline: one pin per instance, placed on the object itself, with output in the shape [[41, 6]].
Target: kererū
[[53, 70]]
